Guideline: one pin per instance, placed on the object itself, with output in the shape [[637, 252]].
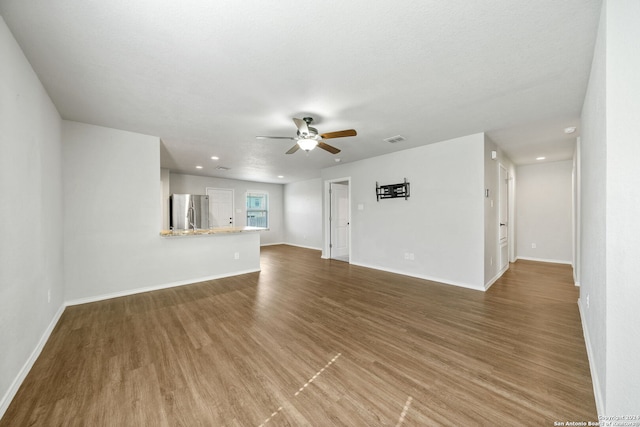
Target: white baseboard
[[420, 276], [592, 368], [553, 261], [292, 244], [154, 288], [303, 246], [17, 382]]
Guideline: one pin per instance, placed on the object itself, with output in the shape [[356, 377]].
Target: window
[[257, 209]]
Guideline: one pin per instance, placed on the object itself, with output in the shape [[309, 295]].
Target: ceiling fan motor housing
[[313, 133]]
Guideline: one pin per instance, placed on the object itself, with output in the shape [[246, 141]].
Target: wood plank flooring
[[312, 342]]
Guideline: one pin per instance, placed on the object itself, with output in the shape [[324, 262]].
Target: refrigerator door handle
[[191, 214]]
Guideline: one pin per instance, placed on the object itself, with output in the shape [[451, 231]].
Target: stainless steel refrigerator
[[188, 211]]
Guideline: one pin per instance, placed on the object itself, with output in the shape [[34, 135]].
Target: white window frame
[[265, 210]]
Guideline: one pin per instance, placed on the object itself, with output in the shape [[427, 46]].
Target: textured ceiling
[[208, 76]]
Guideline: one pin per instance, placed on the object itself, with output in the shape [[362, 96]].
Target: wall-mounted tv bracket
[[392, 191]]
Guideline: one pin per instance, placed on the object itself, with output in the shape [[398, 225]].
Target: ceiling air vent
[[394, 139], [222, 168]]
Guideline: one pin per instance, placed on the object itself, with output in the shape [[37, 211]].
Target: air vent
[[394, 139], [222, 168]]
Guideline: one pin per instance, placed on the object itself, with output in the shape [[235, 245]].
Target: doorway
[[503, 218], [339, 215], [220, 207]]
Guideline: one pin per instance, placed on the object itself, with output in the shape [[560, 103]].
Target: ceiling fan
[[308, 138]]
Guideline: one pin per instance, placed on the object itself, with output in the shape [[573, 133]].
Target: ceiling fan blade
[[302, 126], [293, 149], [339, 134], [327, 147], [275, 137]]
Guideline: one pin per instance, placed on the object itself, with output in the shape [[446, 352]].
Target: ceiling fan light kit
[[307, 144], [308, 137]]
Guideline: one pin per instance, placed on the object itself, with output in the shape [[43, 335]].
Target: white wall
[[544, 215], [593, 168], [442, 222], [303, 213], [610, 208], [111, 228], [513, 212], [31, 214], [623, 207], [192, 184], [577, 216], [164, 197]]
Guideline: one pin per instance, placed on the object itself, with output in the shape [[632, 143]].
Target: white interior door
[[339, 220], [220, 207], [503, 215]]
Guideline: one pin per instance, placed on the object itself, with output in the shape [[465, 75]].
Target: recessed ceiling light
[[280, 176], [215, 158], [198, 167], [540, 158], [570, 129], [337, 160]]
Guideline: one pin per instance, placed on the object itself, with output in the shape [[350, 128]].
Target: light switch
[[360, 206]]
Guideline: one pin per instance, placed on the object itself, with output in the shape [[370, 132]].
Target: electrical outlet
[[411, 256], [236, 255], [587, 300], [533, 246]]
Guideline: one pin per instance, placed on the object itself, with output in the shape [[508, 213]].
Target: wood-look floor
[[318, 342]]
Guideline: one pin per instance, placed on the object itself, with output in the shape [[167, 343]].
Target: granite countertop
[[209, 231]]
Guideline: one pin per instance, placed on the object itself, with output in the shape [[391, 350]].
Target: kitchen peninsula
[[209, 231]]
